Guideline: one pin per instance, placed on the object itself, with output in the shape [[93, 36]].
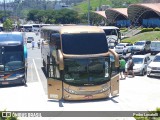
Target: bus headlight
[[105, 89], [70, 91], [19, 75]]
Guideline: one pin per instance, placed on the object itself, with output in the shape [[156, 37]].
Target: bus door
[[114, 77], [54, 82]]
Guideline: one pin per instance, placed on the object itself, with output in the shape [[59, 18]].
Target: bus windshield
[[111, 31], [13, 58], [84, 43], [90, 71]]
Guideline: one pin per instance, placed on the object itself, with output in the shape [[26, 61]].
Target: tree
[[8, 25]]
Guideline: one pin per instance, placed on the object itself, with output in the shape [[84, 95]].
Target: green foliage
[[156, 29], [64, 16], [8, 25], [143, 36], [83, 6], [147, 30]]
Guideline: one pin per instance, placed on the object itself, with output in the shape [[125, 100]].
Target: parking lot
[[140, 93]]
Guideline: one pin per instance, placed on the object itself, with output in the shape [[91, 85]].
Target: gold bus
[[77, 63]]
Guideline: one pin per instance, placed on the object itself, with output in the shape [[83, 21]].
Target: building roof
[[114, 14], [101, 13], [135, 11]]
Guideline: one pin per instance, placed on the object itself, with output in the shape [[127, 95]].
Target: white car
[[142, 46], [123, 47], [140, 63], [155, 47], [153, 68]]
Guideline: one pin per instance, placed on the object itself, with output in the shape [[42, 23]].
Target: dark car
[[30, 39]]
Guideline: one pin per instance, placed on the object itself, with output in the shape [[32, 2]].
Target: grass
[[143, 36], [83, 6]]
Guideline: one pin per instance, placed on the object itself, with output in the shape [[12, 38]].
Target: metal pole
[[88, 12], [4, 9]]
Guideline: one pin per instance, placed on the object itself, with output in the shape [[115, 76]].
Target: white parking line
[[39, 80]]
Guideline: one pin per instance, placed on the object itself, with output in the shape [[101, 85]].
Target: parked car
[[153, 68], [155, 47], [142, 46], [123, 47], [140, 63], [30, 39]]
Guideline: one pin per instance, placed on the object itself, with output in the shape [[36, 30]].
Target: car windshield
[[139, 43], [13, 58], [155, 44], [0, 55], [121, 45], [84, 43], [90, 71], [156, 59], [138, 60]]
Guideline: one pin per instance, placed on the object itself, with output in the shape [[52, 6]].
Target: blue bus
[[13, 58]]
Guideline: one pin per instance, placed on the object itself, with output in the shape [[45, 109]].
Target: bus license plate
[[5, 83]]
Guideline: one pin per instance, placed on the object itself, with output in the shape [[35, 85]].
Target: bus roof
[[108, 27], [11, 37], [74, 29]]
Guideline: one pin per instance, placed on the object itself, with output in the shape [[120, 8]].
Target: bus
[[36, 27], [27, 28], [113, 35], [77, 64], [13, 58]]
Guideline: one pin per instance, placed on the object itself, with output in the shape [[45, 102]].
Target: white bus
[[113, 35], [36, 27], [27, 27]]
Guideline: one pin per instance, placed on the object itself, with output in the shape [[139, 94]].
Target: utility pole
[[88, 12], [4, 10]]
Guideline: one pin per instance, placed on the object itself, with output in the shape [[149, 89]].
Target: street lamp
[[88, 12], [4, 9]]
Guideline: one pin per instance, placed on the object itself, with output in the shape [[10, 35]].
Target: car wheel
[[143, 72]]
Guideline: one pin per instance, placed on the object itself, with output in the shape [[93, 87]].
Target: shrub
[[156, 29], [147, 29]]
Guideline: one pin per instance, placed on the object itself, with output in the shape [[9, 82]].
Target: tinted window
[[10, 37], [0, 56], [156, 59], [138, 60], [155, 44], [84, 43], [110, 31], [139, 43], [121, 45]]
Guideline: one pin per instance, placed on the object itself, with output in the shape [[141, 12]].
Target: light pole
[[88, 12], [4, 10]]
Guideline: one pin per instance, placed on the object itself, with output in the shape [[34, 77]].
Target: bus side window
[[54, 71], [55, 39]]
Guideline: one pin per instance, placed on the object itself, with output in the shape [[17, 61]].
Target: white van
[[155, 47]]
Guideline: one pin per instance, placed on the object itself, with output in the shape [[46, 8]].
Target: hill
[[83, 6]]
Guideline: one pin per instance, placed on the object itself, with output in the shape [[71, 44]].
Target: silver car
[[140, 63]]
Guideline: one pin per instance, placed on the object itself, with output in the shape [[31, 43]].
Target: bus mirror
[[116, 57], [60, 60], [1, 67]]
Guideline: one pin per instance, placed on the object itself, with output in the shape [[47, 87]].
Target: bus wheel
[[25, 79]]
